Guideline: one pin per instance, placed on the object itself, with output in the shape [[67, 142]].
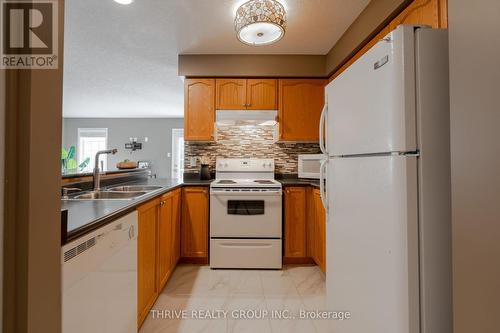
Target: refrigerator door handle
[[322, 145], [322, 188]]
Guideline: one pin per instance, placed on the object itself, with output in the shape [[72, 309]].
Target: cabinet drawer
[[248, 253]]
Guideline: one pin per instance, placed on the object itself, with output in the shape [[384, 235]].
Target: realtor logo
[[29, 34]]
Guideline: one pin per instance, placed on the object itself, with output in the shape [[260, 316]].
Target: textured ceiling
[[121, 61]]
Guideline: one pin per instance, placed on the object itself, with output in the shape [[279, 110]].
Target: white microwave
[[309, 165]]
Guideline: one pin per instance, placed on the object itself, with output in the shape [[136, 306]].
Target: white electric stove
[[245, 215]]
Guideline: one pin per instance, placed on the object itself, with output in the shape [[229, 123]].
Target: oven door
[[245, 213]]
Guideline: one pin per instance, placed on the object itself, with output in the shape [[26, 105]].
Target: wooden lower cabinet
[[304, 227], [165, 240], [158, 248], [194, 226], [147, 286], [295, 222], [318, 239], [310, 225], [176, 226]]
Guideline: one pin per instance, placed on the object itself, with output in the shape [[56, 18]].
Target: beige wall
[[474, 28], [252, 65], [375, 16]]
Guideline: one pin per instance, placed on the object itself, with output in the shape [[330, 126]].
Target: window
[[177, 152], [90, 141]]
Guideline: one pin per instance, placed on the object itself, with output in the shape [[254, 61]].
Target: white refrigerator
[[386, 187]]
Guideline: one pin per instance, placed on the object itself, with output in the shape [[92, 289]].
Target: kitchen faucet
[[97, 174]]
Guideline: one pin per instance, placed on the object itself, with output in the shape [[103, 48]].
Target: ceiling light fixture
[[260, 22], [124, 2]]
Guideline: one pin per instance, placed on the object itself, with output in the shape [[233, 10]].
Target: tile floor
[[199, 288]]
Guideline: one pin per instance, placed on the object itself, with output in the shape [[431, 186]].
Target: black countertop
[[294, 180], [87, 215], [299, 182]]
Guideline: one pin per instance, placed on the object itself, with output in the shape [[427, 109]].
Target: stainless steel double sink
[[125, 192]]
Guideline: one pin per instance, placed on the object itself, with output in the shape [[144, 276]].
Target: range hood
[[246, 117]]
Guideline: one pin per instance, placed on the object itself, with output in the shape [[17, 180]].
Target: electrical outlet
[[192, 161]]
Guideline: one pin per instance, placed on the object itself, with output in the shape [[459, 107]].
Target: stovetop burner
[[263, 181], [226, 181]]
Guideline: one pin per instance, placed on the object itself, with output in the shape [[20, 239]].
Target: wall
[[372, 18], [284, 65], [158, 131], [2, 160], [248, 142], [474, 40]]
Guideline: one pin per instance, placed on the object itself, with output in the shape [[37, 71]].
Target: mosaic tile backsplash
[[248, 141]]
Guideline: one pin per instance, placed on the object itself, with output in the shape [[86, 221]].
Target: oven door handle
[[245, 193], [246, 245]]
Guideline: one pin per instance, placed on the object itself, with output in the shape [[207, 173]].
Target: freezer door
[[372, 244], [371, 105]]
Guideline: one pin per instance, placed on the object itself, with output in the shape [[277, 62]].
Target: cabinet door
[[165, 239], [147, 288], [194, 228], [300, 106], [199, 109], [262, 94], [231, 94], [311, 224], [295, 222], [320, 230], [176, 226]]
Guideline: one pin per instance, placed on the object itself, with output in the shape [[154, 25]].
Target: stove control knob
[[270, 164], [264, 165]]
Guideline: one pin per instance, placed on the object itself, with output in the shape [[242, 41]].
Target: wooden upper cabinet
[[262, 94], [199, 109], [300, 104], [246, 94], [194, 227], [230, 94], [295, 222], [423, 12]]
